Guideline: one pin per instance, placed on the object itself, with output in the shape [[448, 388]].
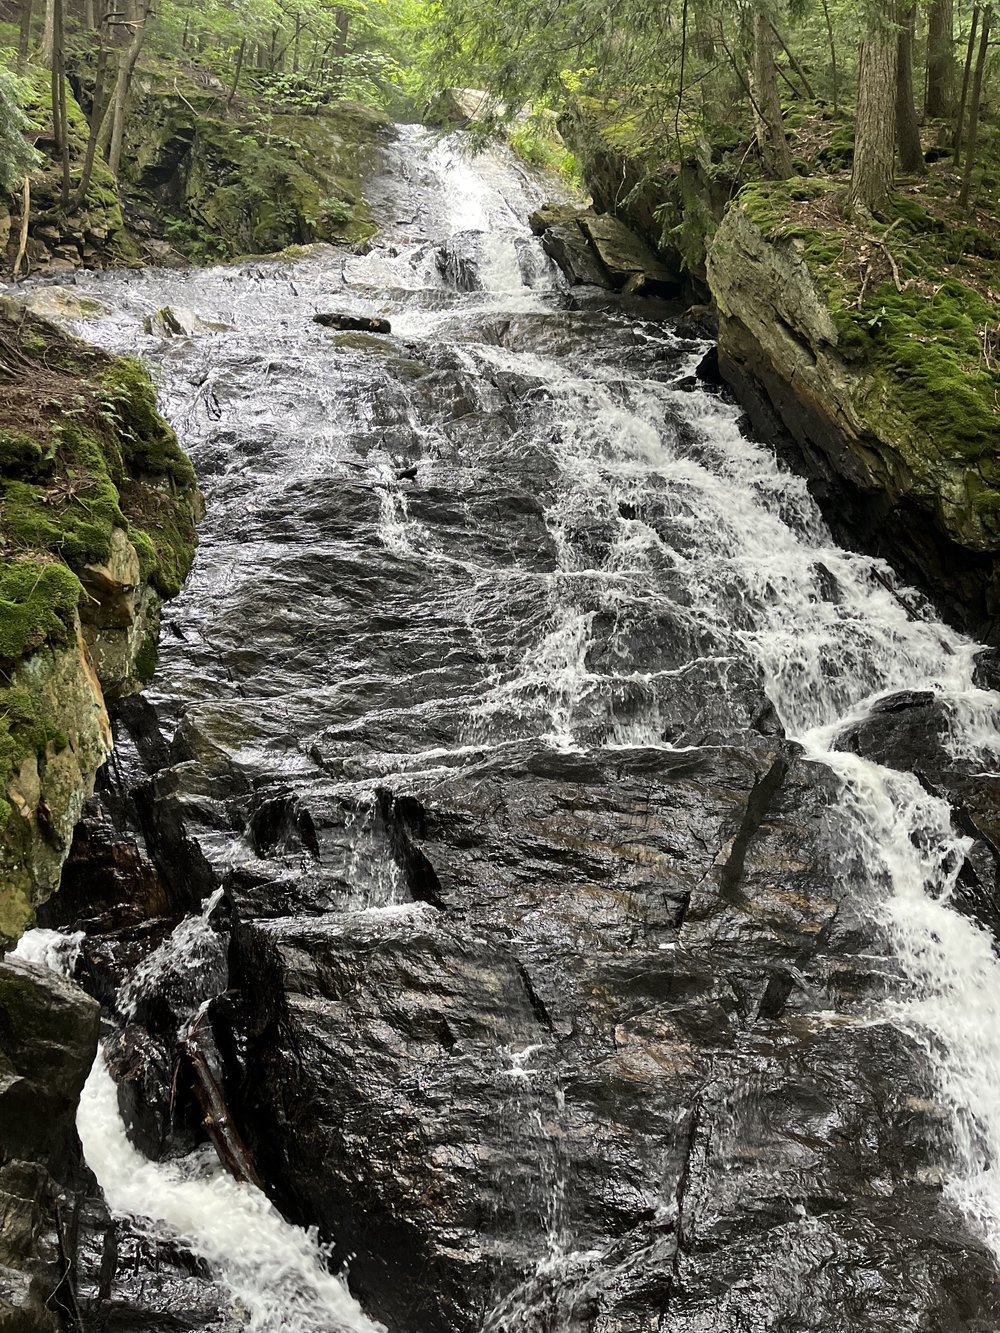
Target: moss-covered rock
[[226, 185], [98, 505], [873, 359]]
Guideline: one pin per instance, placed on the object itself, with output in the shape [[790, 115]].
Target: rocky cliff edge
[[98, 506]]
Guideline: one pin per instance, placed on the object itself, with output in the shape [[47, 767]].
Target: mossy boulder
[[874, 362], [98, 506], [228, 185]]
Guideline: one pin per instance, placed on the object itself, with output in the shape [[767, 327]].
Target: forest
[[871, 93]]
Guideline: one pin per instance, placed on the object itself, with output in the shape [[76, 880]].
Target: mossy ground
[[916, 303], [82, 451]]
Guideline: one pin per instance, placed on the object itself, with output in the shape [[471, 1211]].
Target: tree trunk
[[793, 60], [833, 59], [340, 46], [97, 115], [970, 52], [60, 118], [771, 141], [239, 70], [24, 39], [875, 125], [295, 43], [47, 33], [911, 154], [123, 84], [940, 59], [977, 94]]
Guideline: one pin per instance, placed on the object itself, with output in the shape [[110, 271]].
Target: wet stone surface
[[549, 979]]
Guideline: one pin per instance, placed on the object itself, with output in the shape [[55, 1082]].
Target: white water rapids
[[753, 562]]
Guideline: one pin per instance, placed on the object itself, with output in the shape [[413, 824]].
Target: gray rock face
[[48, 1039], [600, 250], [551, 963]]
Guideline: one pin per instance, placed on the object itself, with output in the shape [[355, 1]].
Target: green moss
[[104, 459], [147, 442], [145, 662], [23, 732], [38, 603], [768, 203], [251, 186], [927, 351], [20, 455]]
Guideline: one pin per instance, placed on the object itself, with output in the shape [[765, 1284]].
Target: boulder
[[179, 322], [555, 215], [567, 245], [883, 483], [48, 1040], [629, 260], [63, 303], [454, 108]]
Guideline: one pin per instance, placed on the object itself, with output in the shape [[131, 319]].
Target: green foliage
[[536, 140]]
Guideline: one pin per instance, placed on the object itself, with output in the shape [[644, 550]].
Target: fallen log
[[233, 1152]]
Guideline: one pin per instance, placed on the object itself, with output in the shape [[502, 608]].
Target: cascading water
[[565, 557]]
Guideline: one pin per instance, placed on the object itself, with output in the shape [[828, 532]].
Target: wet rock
[[568, 246], [48, 1039], [911, 731], [356, 323], [179, 322], [879, 479], [550, 986], [455, 108], [631, 263], [63, 303]]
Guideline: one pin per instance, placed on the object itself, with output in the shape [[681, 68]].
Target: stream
[[580, 865]]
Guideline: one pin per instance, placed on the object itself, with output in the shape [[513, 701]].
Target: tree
[[974, 106], [875, 127], [139, 27], [24, 36], [911, 153], [940, 94], [771, 141], [969, 54]]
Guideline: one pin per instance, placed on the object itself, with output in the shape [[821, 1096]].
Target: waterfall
[[669, 579]]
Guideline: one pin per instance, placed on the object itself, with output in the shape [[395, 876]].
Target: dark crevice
[[759, 802], [534, 999]]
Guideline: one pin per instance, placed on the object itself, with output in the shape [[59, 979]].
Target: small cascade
[[274, 1274]]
